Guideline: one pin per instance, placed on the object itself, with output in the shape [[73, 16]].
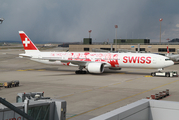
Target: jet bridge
[[35, 106], [144, 109]]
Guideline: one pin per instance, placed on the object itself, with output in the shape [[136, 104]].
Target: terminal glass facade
[[39, 112], [165, 49], [141, 49], [86, 49]]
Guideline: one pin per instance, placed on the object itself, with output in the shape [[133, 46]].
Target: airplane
[[1, 20], [174, 57], [93, 62]]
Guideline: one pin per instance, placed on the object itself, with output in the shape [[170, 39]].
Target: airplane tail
[[29, 46], [167, 51]]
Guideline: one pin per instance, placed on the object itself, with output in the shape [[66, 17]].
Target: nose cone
[[169, 63]]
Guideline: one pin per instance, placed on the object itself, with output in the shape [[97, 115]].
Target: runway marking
[[67, 96], [32, 70], [103, 87], [122, 99], [128, 80], [120, 73], [132, 79], [148, 76], [116, 84], [41, 70], [21, 70]]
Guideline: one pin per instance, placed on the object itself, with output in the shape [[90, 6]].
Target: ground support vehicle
[[11, 84], [165, 74]]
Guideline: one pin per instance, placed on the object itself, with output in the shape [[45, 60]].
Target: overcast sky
[[70, 20]]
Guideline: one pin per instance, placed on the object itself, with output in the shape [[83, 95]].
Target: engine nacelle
[[95, 67], [114, 68]]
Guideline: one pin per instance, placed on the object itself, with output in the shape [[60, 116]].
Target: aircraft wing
[[81, 62]]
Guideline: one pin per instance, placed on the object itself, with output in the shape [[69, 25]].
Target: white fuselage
[[118, 60]]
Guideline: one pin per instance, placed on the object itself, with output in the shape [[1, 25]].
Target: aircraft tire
[[80, 72], [153, 74], [77, 72], [83, 72], [168, 75]]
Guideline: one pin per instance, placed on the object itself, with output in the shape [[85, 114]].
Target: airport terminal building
[[144, 45]]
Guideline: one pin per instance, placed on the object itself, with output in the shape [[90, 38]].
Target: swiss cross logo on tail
[[26, 42]]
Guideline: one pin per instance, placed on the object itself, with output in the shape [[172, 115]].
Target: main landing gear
[[81, 70]]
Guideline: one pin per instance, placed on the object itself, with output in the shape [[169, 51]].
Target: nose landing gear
[[160, 69]]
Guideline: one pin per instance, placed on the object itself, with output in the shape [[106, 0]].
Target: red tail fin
[[27, 43], [167, 50]]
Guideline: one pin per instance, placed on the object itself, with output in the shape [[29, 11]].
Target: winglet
[[27, 43]]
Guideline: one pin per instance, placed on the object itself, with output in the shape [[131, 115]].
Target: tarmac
[[87, 95]]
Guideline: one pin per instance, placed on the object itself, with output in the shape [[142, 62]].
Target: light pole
[[90, 33], [116, 26], [160, 28]]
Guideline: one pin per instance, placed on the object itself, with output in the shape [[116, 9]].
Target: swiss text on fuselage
[[137, 59]]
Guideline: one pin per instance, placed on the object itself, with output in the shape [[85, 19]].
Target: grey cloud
[[70, 20]]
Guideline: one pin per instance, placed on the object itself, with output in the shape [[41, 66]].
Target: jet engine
[[95, 67]]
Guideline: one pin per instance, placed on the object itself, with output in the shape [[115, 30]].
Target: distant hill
[[40, 42], [10, 41]]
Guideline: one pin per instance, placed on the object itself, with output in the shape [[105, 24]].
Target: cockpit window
[[167, 59]]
